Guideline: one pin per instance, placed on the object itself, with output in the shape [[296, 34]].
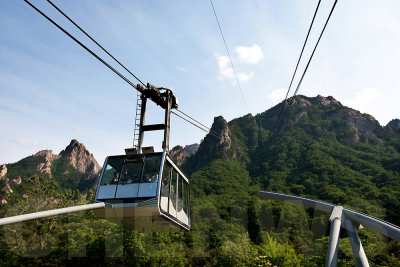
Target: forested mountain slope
[[74, 168], [322, 150]]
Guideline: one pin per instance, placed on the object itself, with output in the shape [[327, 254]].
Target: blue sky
[[52, 91]]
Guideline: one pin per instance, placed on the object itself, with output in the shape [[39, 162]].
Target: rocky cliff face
[[5, 187], [191, 149], [358, 127], [393, 126], [80, 158], [215, 145], [178, 155], [220, 127], [3, 171], [45, 167]]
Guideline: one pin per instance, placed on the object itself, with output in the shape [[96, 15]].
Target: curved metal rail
[[342, 217]]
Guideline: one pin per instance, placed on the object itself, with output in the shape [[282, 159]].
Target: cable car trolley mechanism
[[143, 189]]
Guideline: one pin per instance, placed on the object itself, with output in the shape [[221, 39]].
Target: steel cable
[[82, 45], [308, 64], [298, 62], [230, 59], [90, 37]]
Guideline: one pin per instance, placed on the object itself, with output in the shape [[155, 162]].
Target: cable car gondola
[[144, 190]]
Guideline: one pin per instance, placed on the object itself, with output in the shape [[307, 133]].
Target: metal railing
[[49, 213], [342, 217]]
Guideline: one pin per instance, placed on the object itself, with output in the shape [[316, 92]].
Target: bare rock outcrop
[[393, 126], [80, 158], [191, 149], [5, 188], [3, 171], [220, 127], [49, 157], [178, 155], [364, 127]]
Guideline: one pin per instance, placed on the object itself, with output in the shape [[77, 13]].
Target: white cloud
[[224, 67], [226, 71], [362, 98], [26, 141], [251, 54], [243, 77], [182, 69], [277, 95]]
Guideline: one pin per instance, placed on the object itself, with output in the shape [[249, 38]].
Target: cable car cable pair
[[279, 122], [94, 54], [298, 62]]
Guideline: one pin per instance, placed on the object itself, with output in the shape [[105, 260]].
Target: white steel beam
[[48, 213], [333, 248], [358, 250]]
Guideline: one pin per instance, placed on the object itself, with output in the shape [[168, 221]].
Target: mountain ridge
[[73, 168]]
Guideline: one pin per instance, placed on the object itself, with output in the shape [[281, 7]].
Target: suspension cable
[[82, 45], [230, 59], [308, 64], [323, 30], [193, 119], [298, 62], [90, 37], [210, 132]]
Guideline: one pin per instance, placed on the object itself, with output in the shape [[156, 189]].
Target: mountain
[[74, 168], [322, 150], [179, 154]]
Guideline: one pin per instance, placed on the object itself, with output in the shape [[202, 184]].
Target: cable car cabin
[[145, 192]]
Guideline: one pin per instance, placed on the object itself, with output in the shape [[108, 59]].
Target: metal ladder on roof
[[136, 130]]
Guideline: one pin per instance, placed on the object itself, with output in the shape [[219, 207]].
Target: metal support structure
[[48, 213], [349, 218], [333, 248], [169, 102], [165, 144], [358, 250]]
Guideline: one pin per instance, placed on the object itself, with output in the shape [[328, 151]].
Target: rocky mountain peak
[[191, 149], [394, 124], [304, 101], [326, 101], [178, 155], [220, 127], [80, 158], [361, 127]]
